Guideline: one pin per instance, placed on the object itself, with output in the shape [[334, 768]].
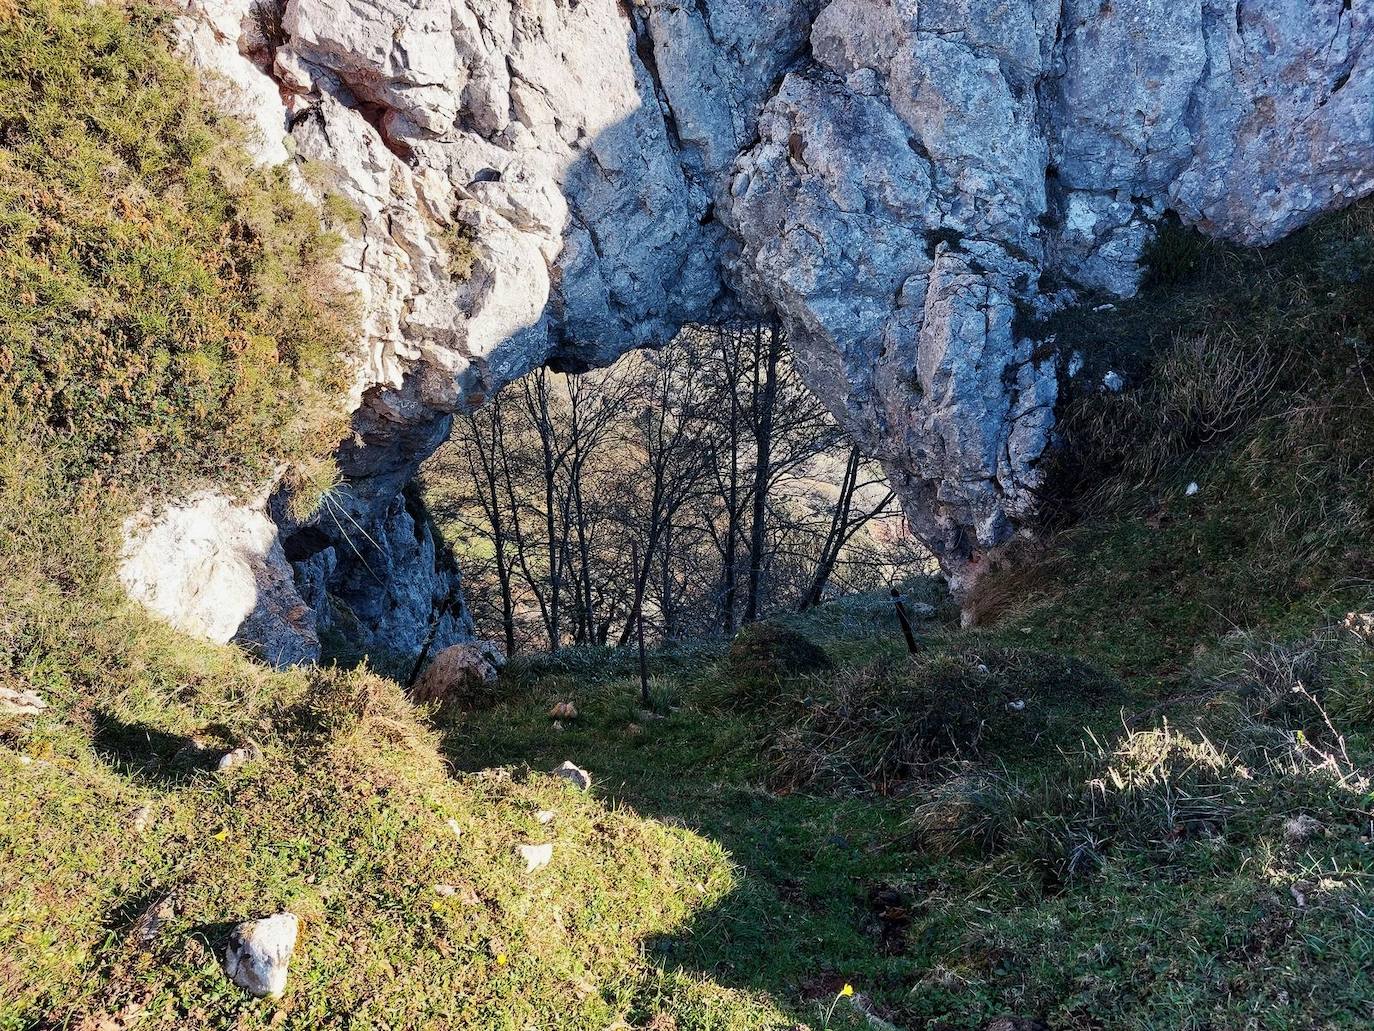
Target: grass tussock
[[762, 654], [884, 723]]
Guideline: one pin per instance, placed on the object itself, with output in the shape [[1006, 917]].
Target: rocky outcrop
[[901, 183], [214, 568]]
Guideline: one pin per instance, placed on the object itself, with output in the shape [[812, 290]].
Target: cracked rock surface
[[897, 181]]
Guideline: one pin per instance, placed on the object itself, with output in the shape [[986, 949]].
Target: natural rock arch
[[899, 182]]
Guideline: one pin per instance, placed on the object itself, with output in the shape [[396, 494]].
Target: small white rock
[[259, 952], [455, 827], [445, 890], [536, 857], [21, 703], [138, 819], [241, 756], [1192, 489], [574, 775], [544, 816], [1016, 706], [1113, 381]]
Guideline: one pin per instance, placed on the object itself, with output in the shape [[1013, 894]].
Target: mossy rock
[[766, 652]]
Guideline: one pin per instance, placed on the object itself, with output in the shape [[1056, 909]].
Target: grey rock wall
[[899, 182]]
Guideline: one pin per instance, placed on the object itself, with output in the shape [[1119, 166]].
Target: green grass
[[1116, 852]]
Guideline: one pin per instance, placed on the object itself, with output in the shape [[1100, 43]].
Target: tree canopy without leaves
[[701, 484]]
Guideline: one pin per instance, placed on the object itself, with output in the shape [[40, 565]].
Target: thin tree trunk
[[666, 572], [835, 538], [763, 437], [732, 514]]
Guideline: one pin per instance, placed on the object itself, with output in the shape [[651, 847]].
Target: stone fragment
[[536, 857], [240, 756], [15, 702], [138, 819], [259, 953], [574, 775], [151, 921]]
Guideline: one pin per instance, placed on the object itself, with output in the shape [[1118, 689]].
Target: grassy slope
[[736, 863]]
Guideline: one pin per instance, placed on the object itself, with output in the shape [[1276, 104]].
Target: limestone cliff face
[[898, 181]]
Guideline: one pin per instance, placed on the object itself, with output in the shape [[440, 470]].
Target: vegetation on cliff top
[[168, 311]]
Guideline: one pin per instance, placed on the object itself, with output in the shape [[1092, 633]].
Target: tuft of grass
[[1176, 255], [762, 654], [309, 483], [460, 240], [889, 721]]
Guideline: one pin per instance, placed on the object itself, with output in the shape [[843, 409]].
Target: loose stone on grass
[[258, 954], [20, 703], [574, 775], [536, 857], [241, 756]]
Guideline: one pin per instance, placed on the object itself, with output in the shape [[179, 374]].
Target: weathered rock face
[[214, 568], [899, 182]]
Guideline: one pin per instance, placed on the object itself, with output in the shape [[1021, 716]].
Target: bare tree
[[689, 487], [670, 433], [845, 522]]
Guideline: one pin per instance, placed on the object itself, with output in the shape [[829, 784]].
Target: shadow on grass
[[141, 752], [817, 879]]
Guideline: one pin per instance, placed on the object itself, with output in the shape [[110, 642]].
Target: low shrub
[[168, 311], [767, 652]]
